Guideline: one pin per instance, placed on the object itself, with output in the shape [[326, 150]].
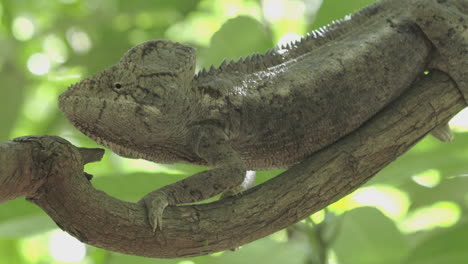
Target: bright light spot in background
[[40, 104], [38, 64], [440, 214], [459, 123], [79, 40], [64, 247], [140, 165], [200, 26], [186, 262], [55, 48], [311, 7], [332, 258], [22, 28], [34, 248], [275, 10], [318, 217], [232, 9], [68, 1], [391, 201], [295, 9], [428, 178], [279, 236], [288, 38]]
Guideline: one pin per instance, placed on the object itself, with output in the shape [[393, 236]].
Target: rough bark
[[49, 172]]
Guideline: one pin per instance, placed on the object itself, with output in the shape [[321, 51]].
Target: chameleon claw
[[155, 220], [155, 204]]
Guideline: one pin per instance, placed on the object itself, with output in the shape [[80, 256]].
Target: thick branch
[[100, 220], [25, 167]]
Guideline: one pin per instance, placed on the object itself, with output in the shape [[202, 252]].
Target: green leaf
[[337, 9], [18, 208], [367, 236], [449, 159], [239, 36], [9, 252], [19, 218], [447, 246], [263, 176], [132, 187], [116, 258], [26, 226], [264, 250], [429, 154], [11, 100], [139, 6]]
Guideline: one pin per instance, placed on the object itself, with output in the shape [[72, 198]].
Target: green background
[[414, 211]]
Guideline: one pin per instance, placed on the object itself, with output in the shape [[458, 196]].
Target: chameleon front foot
[[155, 203]]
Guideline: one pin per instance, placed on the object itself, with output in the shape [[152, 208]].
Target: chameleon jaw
[[120, 149]]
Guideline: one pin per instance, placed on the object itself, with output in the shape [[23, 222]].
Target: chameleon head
[[125, 106]]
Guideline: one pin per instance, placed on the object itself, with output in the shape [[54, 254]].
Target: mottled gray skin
[[265, 111]]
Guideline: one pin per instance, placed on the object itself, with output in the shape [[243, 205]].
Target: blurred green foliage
[[414, 211]]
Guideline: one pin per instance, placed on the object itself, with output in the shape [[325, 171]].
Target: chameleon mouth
[[120, 149], [155, 154]]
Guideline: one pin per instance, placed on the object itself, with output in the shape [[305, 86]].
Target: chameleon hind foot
[[155, 203]]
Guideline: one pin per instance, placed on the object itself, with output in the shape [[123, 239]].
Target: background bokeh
[[414, 211]]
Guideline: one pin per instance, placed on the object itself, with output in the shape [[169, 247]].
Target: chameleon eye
[[117, 85]]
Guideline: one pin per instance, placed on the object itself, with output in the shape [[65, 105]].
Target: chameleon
[[270, 110]]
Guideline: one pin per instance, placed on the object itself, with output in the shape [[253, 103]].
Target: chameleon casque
[[266, 110]]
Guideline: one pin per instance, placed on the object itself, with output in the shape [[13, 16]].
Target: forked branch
[[49, 172]]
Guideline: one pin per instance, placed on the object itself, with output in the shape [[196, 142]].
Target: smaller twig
[[90, 155]]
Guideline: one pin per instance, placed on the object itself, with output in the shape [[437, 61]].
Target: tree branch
[[49, 172]]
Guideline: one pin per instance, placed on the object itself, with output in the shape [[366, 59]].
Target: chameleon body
[[267, 110]]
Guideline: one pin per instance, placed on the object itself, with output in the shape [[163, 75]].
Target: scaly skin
[[266, 111]]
